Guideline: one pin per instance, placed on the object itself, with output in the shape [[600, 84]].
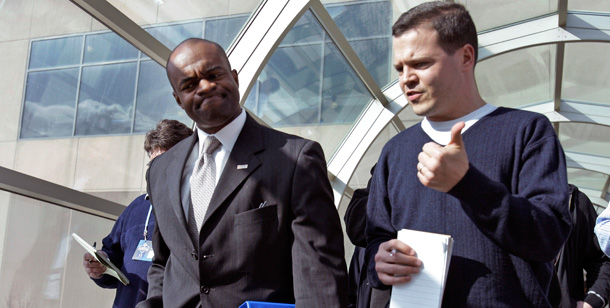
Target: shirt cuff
[[595, 300]]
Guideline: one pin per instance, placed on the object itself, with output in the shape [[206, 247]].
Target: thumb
[[456, 134]]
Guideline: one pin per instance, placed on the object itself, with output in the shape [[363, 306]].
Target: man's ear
[[468, 57], [234, 74], [177, 99]]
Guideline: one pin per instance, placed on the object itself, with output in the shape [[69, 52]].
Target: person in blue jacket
[[129, 243]]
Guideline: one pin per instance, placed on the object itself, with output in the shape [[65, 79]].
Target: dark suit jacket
[[290, 250]]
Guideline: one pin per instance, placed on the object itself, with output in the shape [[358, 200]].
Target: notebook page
[[426, 287]]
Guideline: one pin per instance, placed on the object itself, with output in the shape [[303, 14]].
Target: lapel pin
[[242, 166]]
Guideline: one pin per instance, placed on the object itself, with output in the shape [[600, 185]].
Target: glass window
[[289, 87], [585, 75], [585, 138], [489, 14], [223, 31], [376, 55], [50, 99], [586, 179], [306, 30], [56, 52], [155, 100], [363, 20], [518, 78], [344, 95], [172, 35], [105, 105], [108, 47]]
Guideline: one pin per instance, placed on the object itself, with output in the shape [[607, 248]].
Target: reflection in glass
[[105, 105], [518, 78], [223, 31], [306, 30], [585, 138], [376, 55], [155, 100], [344, 95], [172, 35], [56, 52], [50, 100], [363, 20], [289, 87], [108, 47], [586, 71]]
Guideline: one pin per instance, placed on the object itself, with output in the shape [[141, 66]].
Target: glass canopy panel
[[50, 99], [56, 52], [224, 30], [105, 105], [155, 100], [343, 94], [106, 47], [368, 28], [587, 179], [585, 75], [585, 138], [172, 35], [307, 87], [148, 12], [518, 78], [488, 14], [41, 264], [589, 5]]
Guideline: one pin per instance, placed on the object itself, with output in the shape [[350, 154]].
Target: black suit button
[[205, 290], [194, 255]]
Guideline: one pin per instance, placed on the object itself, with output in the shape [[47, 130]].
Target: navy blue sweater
[[508, 216], [120, 246]]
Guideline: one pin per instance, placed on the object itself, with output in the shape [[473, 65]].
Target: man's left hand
[[441, 168]]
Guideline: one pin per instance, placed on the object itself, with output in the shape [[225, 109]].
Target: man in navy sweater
[[493, 178], [133, 229]]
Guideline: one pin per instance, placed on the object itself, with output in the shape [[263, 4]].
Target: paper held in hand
[[425, 290], [111, 269]]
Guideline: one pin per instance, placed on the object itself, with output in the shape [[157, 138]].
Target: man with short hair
[[244, 212], [493, 178], [132, 230]]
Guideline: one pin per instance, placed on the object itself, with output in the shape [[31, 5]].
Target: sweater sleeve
[[378, 224], [530, 217], [111, 245]]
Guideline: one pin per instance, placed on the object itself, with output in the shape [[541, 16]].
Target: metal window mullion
[[78, 84], [135, 96], [321, 88]]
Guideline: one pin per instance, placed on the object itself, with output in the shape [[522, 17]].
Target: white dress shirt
[[227, 137]]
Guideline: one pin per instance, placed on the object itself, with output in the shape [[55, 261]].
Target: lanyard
[[146, 225]]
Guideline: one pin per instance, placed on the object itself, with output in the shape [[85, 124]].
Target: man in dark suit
[[270, 231]]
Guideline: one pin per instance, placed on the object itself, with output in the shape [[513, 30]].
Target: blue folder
[[251, 304]]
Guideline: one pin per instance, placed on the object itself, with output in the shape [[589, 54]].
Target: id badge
[[144, 251]]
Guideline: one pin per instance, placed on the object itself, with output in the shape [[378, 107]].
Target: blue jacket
[[120, 246]]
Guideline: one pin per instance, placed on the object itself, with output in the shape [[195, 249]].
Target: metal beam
[[120, 24], [35, 188]]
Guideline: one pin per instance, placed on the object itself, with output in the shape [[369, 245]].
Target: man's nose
[[408, 78], [205, 85]]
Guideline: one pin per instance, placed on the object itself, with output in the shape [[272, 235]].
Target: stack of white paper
[[426, 287]]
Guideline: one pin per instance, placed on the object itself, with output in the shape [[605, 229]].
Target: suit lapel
[[174, 179], [241, 163]]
